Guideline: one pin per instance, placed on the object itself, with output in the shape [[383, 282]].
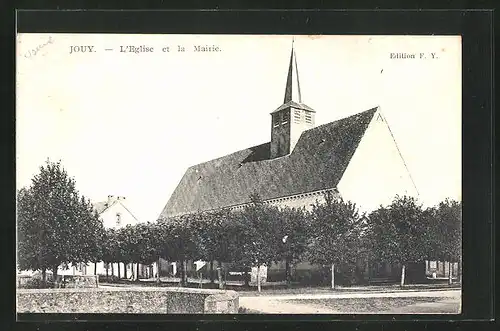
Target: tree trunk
[[137, 273], [450, 273], [258, 278], [181, 273], [95, 268], [212, 272], [113, 270], [459, 270], [219, 276], [403, 268], [124, 270], [287, 271], [119, 274], [54, 274], [158, 268], [333, 276], [44, 275], [107, 271], [184, 266], [247, 278]]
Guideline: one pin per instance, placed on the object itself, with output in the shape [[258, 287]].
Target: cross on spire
[[292, 89]]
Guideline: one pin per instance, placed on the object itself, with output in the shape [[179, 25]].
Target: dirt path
[[279, 304]]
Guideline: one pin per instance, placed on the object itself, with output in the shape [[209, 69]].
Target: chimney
[[111, 198]]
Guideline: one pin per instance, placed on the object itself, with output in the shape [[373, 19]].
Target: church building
[[356, 158]]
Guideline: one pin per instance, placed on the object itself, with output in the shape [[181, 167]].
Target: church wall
[[299, 201], [376, 173]]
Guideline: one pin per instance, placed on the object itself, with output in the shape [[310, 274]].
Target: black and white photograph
[[238, 174]]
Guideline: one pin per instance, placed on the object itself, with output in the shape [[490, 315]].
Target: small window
[[118, 219], [276, 120], [308, 117], [286, 117]]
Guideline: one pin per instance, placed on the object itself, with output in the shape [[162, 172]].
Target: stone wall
[[128, 300]]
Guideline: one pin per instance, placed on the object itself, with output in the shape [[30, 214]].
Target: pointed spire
[[292, 90]]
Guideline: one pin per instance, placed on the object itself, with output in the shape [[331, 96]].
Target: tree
[[53, 222], [125, 247], [179, 243], [256, 241], [143, 244], [110, 249], [212, 237], [445, 232], [336, 227], [399, 233], [292, 229]]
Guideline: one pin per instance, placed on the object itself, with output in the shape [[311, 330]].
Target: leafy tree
[[292, 229], [125, 247], [179, 243], [257, 240], [143, 244], [53, 222], [212, 237], [110, 249], [399, 233], [336, 228], [446, 232]]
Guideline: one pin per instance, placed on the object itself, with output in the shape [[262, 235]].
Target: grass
[[375, 305]]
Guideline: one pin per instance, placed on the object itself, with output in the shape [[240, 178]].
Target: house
[[356, 158], [114, 213]]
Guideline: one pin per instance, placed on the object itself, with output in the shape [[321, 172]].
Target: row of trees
[[56, 225]]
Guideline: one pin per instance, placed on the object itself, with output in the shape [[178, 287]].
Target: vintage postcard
[[241, 174]]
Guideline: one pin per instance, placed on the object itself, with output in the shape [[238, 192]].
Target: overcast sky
[[131, 124]]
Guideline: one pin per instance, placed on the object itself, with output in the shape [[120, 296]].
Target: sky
[[130, 124]]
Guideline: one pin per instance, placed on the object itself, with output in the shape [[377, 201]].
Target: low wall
[[127, 300]]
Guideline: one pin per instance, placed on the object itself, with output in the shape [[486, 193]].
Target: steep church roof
[[317, 162]]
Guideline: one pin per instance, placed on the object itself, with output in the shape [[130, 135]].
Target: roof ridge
[[268, 142], [226, 155]]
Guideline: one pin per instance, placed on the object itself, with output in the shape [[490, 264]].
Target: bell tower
[[292, 117]]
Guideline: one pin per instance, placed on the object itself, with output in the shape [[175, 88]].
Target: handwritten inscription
[[410, 56], [33, 52]]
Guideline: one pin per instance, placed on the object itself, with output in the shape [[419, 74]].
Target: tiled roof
[[317, 162]]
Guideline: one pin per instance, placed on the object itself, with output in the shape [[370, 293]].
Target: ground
[[391, 299], [362, 302]]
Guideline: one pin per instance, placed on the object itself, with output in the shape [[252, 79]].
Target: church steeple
[[292, 117], [292, 89]]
